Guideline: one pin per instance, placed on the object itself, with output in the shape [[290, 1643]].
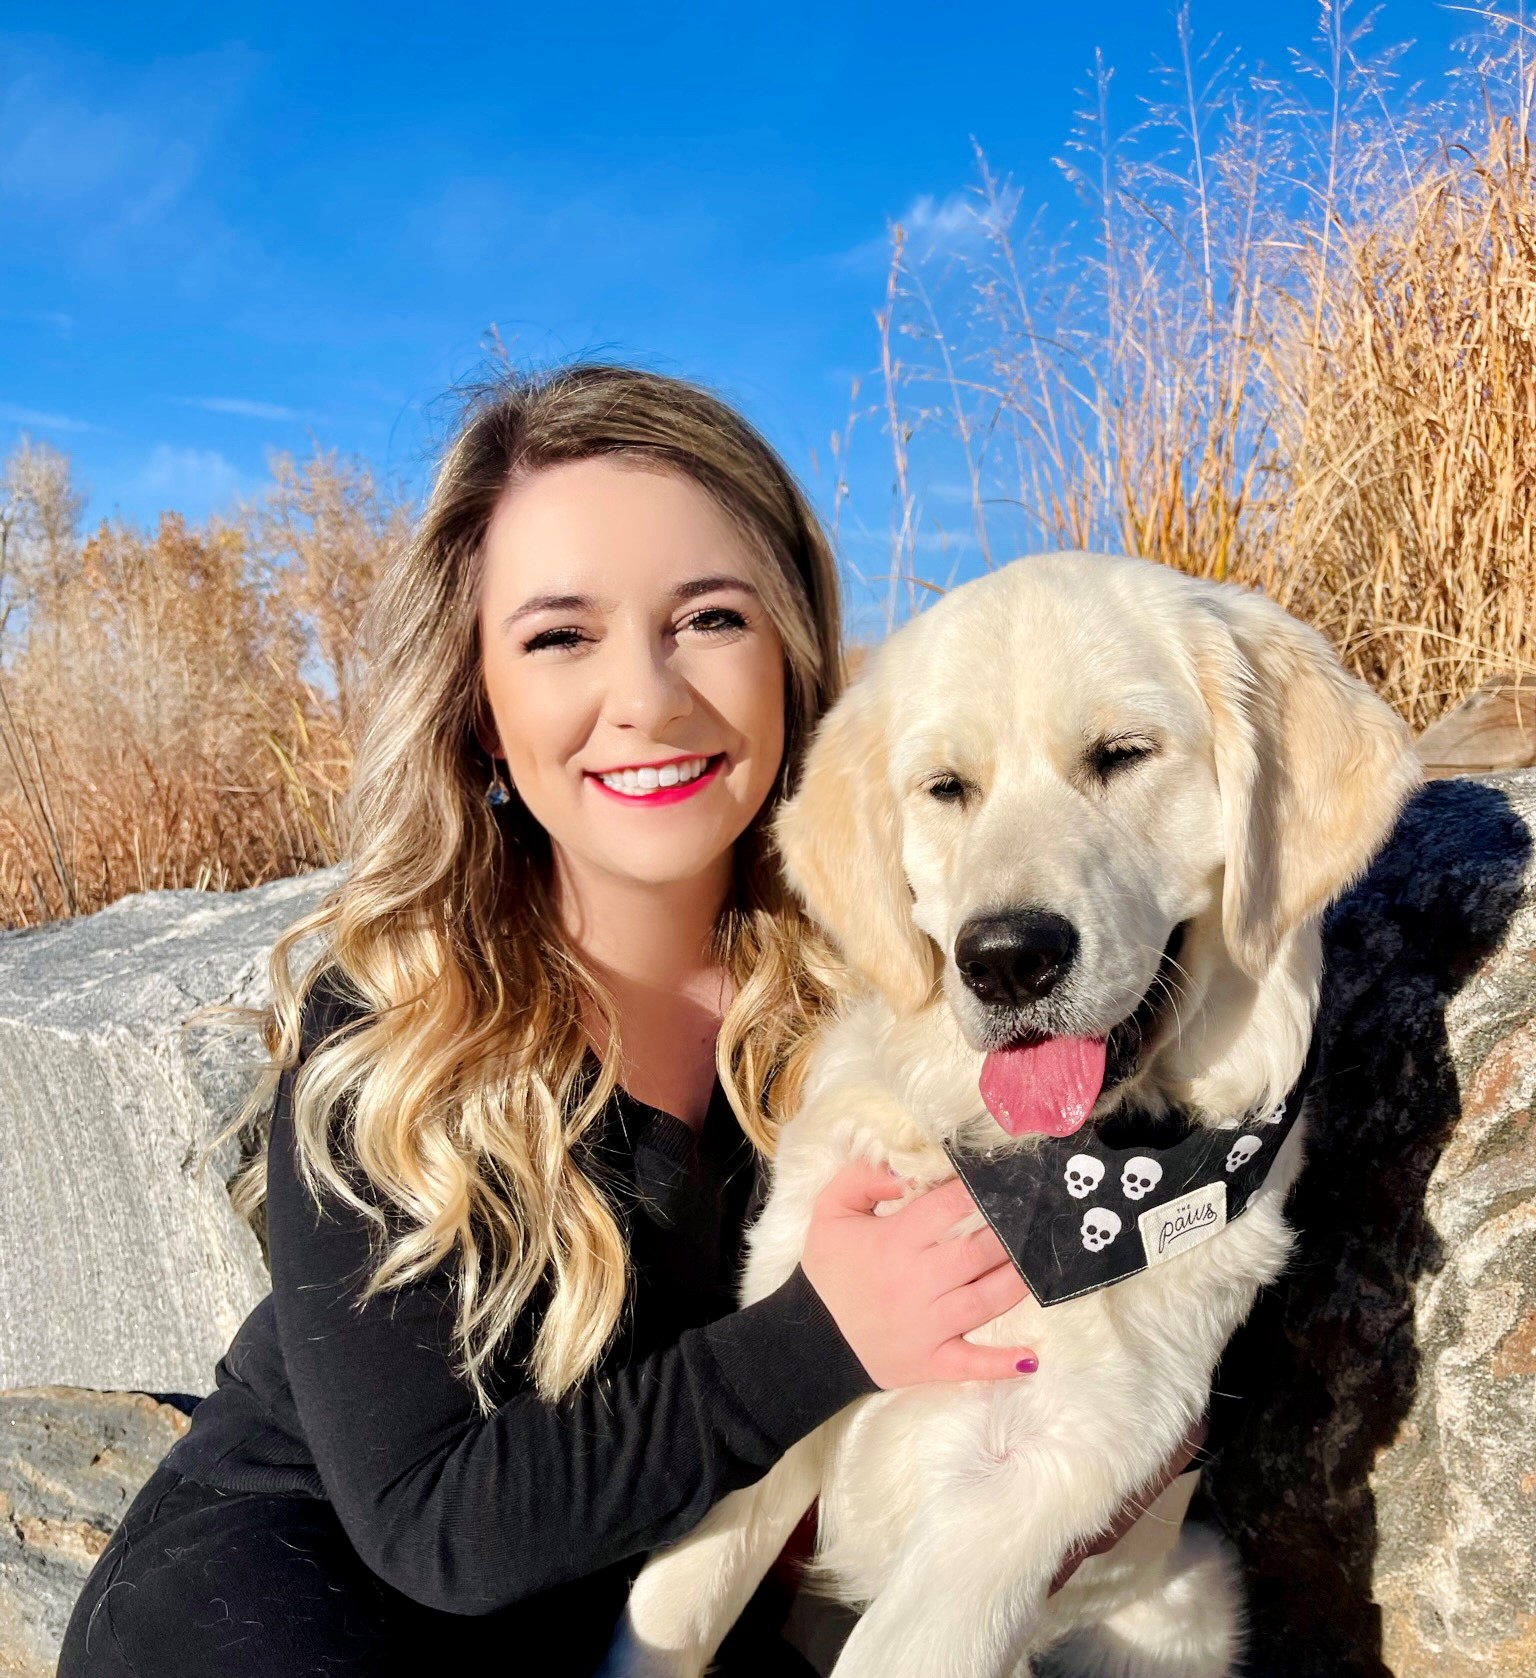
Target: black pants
[[202, 1583]]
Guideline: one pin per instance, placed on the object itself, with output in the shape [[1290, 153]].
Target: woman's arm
[[468, 1513]]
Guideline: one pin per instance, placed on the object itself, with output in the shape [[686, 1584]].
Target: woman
[[522, 1093]]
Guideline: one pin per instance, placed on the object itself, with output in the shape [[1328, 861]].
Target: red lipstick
[[664, 795]]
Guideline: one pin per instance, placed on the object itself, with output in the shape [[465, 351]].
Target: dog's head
[[1077, 791]]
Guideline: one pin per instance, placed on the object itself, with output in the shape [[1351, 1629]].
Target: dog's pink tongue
[[1048, 1087]]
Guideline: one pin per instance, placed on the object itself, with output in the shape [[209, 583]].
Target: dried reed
[[1291, 347], [157, 729]]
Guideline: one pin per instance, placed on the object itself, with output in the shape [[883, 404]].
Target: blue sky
[[232, 229]]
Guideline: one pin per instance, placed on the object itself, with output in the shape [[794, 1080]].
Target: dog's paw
[[1188, 1623], [629, 1657]]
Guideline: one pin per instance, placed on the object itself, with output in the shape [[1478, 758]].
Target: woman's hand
[[1134, 1507], [901, 1294]]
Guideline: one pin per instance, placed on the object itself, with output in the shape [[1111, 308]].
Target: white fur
[[946, 1508]]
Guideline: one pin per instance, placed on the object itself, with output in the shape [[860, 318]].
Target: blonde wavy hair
[[458, 1092]]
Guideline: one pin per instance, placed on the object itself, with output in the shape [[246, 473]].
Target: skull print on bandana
[[1076, 1214], [1139, 1176], [1084, 1173]]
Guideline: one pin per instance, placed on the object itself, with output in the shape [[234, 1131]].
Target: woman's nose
[[645, 687]]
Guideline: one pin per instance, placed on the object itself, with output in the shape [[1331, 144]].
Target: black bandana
[[1076, 1214]]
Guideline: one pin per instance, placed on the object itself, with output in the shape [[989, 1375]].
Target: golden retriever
[[1177, 777]]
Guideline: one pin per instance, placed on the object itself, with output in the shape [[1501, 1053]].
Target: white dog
[[1074, 827]]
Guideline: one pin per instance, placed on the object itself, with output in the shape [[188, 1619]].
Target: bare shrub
[[40, 509], [323, 531]]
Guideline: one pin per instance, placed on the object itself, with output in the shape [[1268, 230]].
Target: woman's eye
[[734, 619], [724, 620], [553, 638]]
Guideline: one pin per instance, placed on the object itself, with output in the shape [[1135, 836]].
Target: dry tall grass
[[156, 730], [1409, 534], [1292, 346]]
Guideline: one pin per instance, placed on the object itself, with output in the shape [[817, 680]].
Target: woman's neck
[[667, 1037], [650, 945], [644, 936]]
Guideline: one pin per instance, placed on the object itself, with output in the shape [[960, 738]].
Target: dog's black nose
[[1017, 957]]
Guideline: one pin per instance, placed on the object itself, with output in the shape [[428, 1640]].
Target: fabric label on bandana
[[1177, 1225]]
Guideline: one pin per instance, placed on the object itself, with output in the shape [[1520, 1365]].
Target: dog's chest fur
[[1123, 1371]]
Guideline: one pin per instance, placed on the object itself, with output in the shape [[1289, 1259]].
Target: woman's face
[[659, 654]]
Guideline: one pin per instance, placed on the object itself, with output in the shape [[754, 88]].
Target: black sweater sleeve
[[466, 1512]]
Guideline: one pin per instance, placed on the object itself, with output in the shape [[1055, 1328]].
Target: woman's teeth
[[647, 780]]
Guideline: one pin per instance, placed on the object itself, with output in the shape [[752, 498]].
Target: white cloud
[[242, 408], [11, 414], [958, 216], [64, 148], [115, 164], [62, 323], [961, 222], [193, 481]]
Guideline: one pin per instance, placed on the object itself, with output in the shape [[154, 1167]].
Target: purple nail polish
[[1027, 1366]]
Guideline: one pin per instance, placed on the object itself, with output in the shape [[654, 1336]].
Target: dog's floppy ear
[[839, 838], [1312, 766]]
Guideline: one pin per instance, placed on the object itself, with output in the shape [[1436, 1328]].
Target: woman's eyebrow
[[586, 603]]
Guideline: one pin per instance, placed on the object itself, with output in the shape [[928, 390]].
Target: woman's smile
[[669, 784]]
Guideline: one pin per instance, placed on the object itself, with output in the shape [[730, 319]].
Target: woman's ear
[[1312, 766], [484, 726], [839, 838]]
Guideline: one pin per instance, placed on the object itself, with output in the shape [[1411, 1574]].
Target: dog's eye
[[948, 789], [1110, 755]]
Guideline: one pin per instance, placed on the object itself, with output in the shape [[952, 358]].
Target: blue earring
[[498, 792]]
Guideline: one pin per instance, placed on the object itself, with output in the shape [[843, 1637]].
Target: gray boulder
[[1382, 1489], [117, 1268], [70, 1464]]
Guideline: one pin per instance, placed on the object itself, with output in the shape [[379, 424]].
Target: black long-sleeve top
[[469, 1513]]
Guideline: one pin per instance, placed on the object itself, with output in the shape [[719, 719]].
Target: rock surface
[[117, 1268], [1494, 727], [1383, 1486], [70, 1464]]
